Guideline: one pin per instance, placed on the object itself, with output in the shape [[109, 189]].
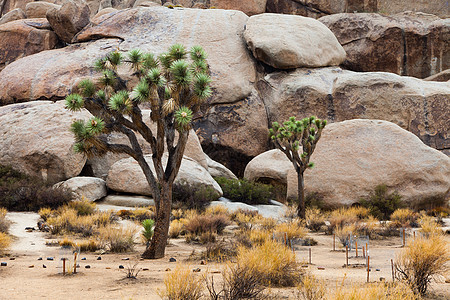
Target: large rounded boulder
[[286, 42], [355, 156], [35, 139]]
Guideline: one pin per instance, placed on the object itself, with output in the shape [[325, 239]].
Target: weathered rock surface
[[249, 7], [304, 42], [15, 14], [69, 19], [439, 8], [232, 134], [39, 9], [35, 139], [441, 77], [219, 32], [218, 170], [409, 44], [319, 8], [90, 188], [126, 176], [24, 37], [353, 157], [102, 12], [422, 107], [128, 201], [51, 74]]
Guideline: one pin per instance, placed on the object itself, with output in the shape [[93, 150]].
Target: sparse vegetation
[[246, 191], [207, 224], [423, 260], [117, 239], [274, 262], [404, 217], [20, 192], [193, 197], [315, 219], [5, 241], [311, 288], [147, 232], [182, 284], [83, 207], [381, 204], [4, 223]]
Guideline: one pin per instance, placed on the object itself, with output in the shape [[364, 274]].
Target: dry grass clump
[[181, 284], [342, 217], [274, 262], [315, 219], [83, 207], [207, 224], [246, 219], [404, 217], [5, 241], [138, 214], [220, 251], [429, 227], [343, 233], [68, 221], [291, 230], [239, 282], [249, 238], [176, 228], [216, 210], [311, 288], [117, 239], [4, 223], [90, 245], [379, 291], [423, 260], [46, 212], [66, 242]]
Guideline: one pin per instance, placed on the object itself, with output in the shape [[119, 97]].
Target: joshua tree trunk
[[301, 195], [161, 232]]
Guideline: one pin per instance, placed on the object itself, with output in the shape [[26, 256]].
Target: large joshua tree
[[174, 87], [293, 136]]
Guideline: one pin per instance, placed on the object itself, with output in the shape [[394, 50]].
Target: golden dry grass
[[378, 291], [117, 239], [291, 230], [275, 262], [5, 241], [404, 217], [182, 284], [176, 227], [4, 223]]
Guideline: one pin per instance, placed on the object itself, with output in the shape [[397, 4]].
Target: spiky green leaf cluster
[[120, 102], [183, 118], [74, 102]]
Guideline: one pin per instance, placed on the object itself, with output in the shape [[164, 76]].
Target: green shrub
[[245, 191], [381, 204], [19, 192], [147, 233], [189, 197]]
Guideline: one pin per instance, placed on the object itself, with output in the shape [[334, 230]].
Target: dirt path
[[25, 242]]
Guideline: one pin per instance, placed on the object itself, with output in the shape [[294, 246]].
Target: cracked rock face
[[408, 44], [421, 107]]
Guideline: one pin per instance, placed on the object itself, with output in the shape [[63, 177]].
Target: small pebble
[[40, 258], [203, 262], [108, 268], [49, 258], [3, 264], [382, 279], [168, 270], [172, 259], [321, 268], [33, 244], [196, 270], [126, 258], [84, 258], [12, 258], [32, 266], [121, 267], [99, 258], [87, 266], [145, 269], [378, 270], [44, 266], [29, 228]]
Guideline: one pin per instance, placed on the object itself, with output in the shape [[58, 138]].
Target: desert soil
[[25, 276]]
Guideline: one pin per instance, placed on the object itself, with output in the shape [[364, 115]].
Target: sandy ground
[[25, 277]]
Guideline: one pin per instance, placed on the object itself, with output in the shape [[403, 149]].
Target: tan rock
[[218, 170], [421, 107], [409, 44], [35, 139], [441, 77], [39, 9], [24, 37], [234, 133], [13, 15], [147, 3], [304, 42], [126, 176], [69, 19], [249, 7], [436, 7], [90, 188], [103, 12], [219, 32], [353, 157], [50, 74], [319, 8]]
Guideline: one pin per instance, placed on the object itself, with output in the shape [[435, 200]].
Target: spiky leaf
[[115, 59], [197, 53], [74, 102], [183, 118], [95, 126], [120, 102], [149, 61], [177, 51], [181, 73], [87, 88], [141, 92], [154, 77]]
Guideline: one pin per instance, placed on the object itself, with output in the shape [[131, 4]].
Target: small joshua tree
[[174, 88], [294, 136]]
